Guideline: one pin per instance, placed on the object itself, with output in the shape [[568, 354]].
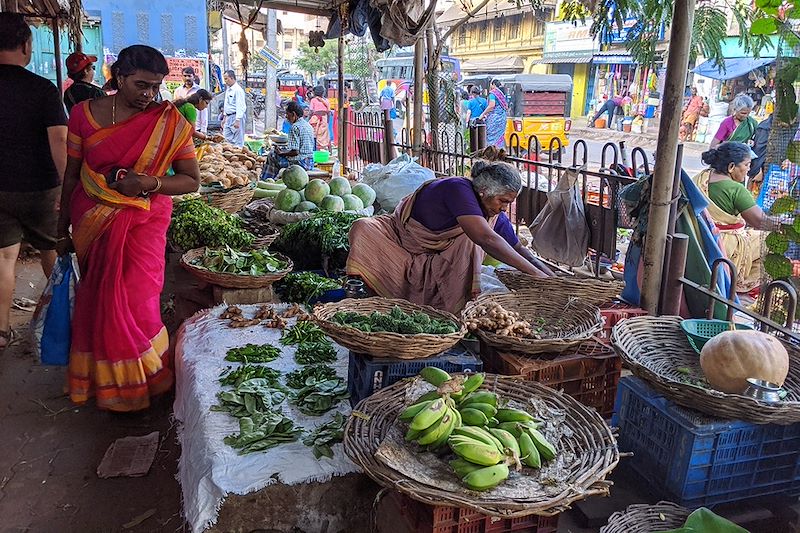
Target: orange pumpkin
[[731, 357]]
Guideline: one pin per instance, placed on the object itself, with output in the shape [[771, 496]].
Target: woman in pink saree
[[116, 198], [320, 113]]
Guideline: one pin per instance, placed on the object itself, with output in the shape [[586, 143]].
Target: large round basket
[[232, 281], [590, 290], [579, 320], [644, 518], [232, 200], [585, 435], [656, 349], [384, 344]]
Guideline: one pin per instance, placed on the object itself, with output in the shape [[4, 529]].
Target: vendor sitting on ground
[[430, 250], [298, 151]]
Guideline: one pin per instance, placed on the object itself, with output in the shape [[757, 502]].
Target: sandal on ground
[[24, 304], [10, 336]]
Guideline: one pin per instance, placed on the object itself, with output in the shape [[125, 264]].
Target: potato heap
[[492, 317], [230, 165]]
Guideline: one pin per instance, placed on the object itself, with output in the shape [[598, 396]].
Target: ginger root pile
[[494, 318]]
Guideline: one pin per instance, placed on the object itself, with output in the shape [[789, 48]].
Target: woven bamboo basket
[[384, 344], [232, 200], [581, 320], [265, 241], [589, 437], [654, 348], [644, 518], [591, 290], [232, 281]]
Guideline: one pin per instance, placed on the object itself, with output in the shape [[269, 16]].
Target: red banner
[[177, 64]]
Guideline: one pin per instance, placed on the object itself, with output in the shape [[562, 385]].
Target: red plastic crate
[[589, 373], [423, 518], [612, 317]]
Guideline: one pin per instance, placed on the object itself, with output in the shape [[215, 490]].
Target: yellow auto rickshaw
[[538, 105]]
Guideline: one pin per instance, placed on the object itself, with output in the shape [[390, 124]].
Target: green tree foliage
[[317, 62]]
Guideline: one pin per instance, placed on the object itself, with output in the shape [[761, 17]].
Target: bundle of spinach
[[196, 224], [309, 353], [297, 379], [326, 435], [244, 263], [302, 287], [319, 397], [321, 238], [303, 331], [262, 431], [250, 397], [237, 376], [396, 321], [253, 353]]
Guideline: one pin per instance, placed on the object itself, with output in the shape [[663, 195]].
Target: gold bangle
[[157, 188]]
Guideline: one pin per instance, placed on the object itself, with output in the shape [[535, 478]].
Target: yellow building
[[502, 38]]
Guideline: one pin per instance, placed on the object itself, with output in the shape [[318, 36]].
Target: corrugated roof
[[40, 8]]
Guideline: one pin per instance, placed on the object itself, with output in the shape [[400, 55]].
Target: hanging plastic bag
[[53, 315], [560, 232]]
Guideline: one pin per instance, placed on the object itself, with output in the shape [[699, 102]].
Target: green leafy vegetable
[[319, 397], [253, 353], [262, 431], [249, 263], [250, 397], [323, 236], [297, 379], [777, 243], [396, 321], [303, 331], [196, 224], [309, 353], [326, 435], [301, 287], [236, 376], [777, 266]]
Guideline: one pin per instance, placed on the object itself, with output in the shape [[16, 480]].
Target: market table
[[277, 489]]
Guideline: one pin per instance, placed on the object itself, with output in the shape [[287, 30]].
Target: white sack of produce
[[395, 181]]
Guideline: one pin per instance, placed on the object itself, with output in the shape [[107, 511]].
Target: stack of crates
[[367, 374], [695, 460]]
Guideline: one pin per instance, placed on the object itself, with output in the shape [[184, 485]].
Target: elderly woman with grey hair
[[430, 250], [740, 126]]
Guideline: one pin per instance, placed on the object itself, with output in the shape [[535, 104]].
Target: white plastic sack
[[393, 182]]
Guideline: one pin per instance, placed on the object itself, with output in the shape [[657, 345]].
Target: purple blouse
[[440, 203]]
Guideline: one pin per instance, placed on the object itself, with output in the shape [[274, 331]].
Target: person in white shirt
[[234, 110], [189, 87]]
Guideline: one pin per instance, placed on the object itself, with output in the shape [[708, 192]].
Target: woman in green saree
[[740, 126]]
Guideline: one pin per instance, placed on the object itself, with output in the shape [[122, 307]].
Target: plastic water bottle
[[336, 171]]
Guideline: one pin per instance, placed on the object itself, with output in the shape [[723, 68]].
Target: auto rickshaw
[[355, 89], [538, 105]]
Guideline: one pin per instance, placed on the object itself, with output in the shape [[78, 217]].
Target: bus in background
[[399, 70], [288, 84]]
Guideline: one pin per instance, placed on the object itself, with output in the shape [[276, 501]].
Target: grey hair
[[742, 101], [494, 178]]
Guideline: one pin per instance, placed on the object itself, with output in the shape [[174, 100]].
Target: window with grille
[[483, 32], [513, 27], [462, 35], [498, 29]]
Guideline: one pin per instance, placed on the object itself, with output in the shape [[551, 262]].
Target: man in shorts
[[33, 148]]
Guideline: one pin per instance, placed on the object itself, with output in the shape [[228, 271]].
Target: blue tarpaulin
[[731, 68]]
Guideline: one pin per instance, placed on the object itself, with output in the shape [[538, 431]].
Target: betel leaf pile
[[196, 224]]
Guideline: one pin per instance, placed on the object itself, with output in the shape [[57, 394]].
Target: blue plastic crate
[[695, 460], [368, 374]]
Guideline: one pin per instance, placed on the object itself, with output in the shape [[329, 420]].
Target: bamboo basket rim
[[386, 344], [646, 518], [587, 318], [655, 347], [230, 200], [233, 281], [591, 290], [591, 436]]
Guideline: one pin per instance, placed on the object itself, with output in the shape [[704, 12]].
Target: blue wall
[[172, 27]]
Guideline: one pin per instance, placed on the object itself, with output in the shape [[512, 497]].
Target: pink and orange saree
[[119, 343]]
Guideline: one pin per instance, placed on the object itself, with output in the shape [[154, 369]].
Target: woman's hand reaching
[[132, 185]]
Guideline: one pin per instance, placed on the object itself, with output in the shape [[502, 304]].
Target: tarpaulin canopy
[[731, 68], [500, 65]]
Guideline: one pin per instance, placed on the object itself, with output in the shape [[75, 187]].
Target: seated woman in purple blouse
[[430, 250]]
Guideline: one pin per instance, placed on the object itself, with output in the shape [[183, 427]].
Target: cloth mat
[[209, 469]]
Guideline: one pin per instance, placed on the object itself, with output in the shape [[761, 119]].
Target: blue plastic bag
[[53, 316]]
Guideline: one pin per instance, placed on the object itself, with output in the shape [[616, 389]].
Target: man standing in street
[[234, 110], [33, 148], [188, 88], [80, 69]]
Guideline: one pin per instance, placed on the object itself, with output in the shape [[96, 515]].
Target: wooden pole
[[677, 265], [666, 154], [419, 76], [340, 105], [57, 55]]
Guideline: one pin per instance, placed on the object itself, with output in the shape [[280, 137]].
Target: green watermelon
[[365, 192], [295, 177], [339, 186], [316, 190], [304, 207], [287, 200], [352, 202], [332, 203]]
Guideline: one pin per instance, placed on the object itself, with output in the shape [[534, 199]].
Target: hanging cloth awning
[[731, 68], [564, 59], [494, 65]]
